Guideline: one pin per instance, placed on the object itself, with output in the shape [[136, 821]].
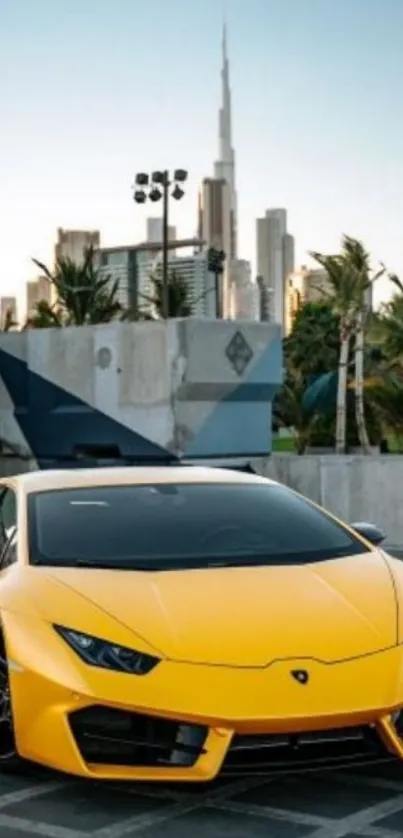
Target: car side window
[[9, 555], [8, 527]]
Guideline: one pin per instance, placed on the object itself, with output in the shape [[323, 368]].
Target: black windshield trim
[[169, 566]]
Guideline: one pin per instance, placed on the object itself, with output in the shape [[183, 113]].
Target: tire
[[10, 761]]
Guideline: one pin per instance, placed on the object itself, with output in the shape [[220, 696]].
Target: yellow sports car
[[175, 623]]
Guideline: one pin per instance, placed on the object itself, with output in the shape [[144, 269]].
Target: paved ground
[[366, 803]]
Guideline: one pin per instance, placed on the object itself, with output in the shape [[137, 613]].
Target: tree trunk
[[341, 394], [359, 387]]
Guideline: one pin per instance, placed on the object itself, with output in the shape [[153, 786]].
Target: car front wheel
[[9, 759]]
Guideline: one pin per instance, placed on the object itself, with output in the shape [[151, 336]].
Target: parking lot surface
[[366, 802]]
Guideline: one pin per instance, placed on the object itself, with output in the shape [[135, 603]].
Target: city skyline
[[64, 164]]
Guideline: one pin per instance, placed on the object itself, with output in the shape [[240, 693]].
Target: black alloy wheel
[[9, 758]]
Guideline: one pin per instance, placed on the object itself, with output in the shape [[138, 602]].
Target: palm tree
[[180, 302], [44, 317], [389, 326], [83, 295], [386, 397], [350, 278], [344, 302], [290, 412], [9, 322], [356, 259]]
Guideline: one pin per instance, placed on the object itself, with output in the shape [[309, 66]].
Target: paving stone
[[84, 807], [394, 821], [321, 797], [16, 833], [206, 823], [392, 770], [16, 782]]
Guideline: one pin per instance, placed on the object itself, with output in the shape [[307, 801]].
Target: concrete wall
[[197, 388], [355, 488]]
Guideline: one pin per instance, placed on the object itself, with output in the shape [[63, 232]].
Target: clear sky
[[92, 91]]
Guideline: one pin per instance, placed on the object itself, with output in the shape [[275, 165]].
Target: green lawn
[[286, 444], [283, 444]]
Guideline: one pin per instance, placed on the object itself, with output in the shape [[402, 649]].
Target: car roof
[[42, 481]]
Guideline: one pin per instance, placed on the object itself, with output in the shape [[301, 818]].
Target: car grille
[[113, 737], [289, 752]]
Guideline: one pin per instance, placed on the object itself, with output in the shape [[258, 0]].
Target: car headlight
[[97, 652]]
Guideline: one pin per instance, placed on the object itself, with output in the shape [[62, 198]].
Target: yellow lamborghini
[[176, 623]]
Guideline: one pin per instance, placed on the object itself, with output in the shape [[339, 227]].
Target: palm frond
[[84, 294]]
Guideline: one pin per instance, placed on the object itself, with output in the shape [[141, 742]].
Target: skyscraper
[[214, 214], [38, 290], [218, 198], [275, 260], [224, 168], [8, 311], [155, 231], [73, 244], [244, 292]]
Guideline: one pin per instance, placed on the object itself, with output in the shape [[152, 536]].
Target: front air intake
[[278, 753], [115, 737]]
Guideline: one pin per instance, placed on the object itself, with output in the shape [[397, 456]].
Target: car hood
[[250, 616]]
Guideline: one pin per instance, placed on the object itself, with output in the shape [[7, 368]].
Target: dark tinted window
[[184, 525], [8, 517], [9, 555], [8, 509]]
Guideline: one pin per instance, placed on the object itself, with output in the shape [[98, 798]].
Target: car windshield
[[183, 525]]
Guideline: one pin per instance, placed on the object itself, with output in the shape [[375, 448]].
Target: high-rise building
[[309, 285], [73, 244], [132, 267], [244, 292], [218, 208], [303, 286], [224, 168], [8, 311], [37, 290], [215, 231], [264, 299], [275, 260], [155, 231], [193, 270], [214, 214]]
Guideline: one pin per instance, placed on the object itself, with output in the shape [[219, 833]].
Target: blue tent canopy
[[321, 393]]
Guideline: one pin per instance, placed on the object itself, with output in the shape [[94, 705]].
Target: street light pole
[[165, 210], [158, 187]]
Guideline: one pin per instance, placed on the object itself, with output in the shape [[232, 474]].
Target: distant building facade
[[73, 244], [133, 265], [275, 261], [155, 231], [244, 292], [215, 230], [8, 311], [308, 285], [36, 291]]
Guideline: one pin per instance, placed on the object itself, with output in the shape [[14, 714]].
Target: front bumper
[[190, 722]]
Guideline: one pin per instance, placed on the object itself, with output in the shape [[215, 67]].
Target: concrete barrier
[[194, 387], [355, 488]]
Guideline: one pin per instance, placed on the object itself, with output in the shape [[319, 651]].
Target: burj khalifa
[[224, 168]]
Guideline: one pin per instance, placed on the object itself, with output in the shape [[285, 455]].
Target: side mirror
[[372, 533]]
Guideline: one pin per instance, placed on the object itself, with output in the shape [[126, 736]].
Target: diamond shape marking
[[239, 353]]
